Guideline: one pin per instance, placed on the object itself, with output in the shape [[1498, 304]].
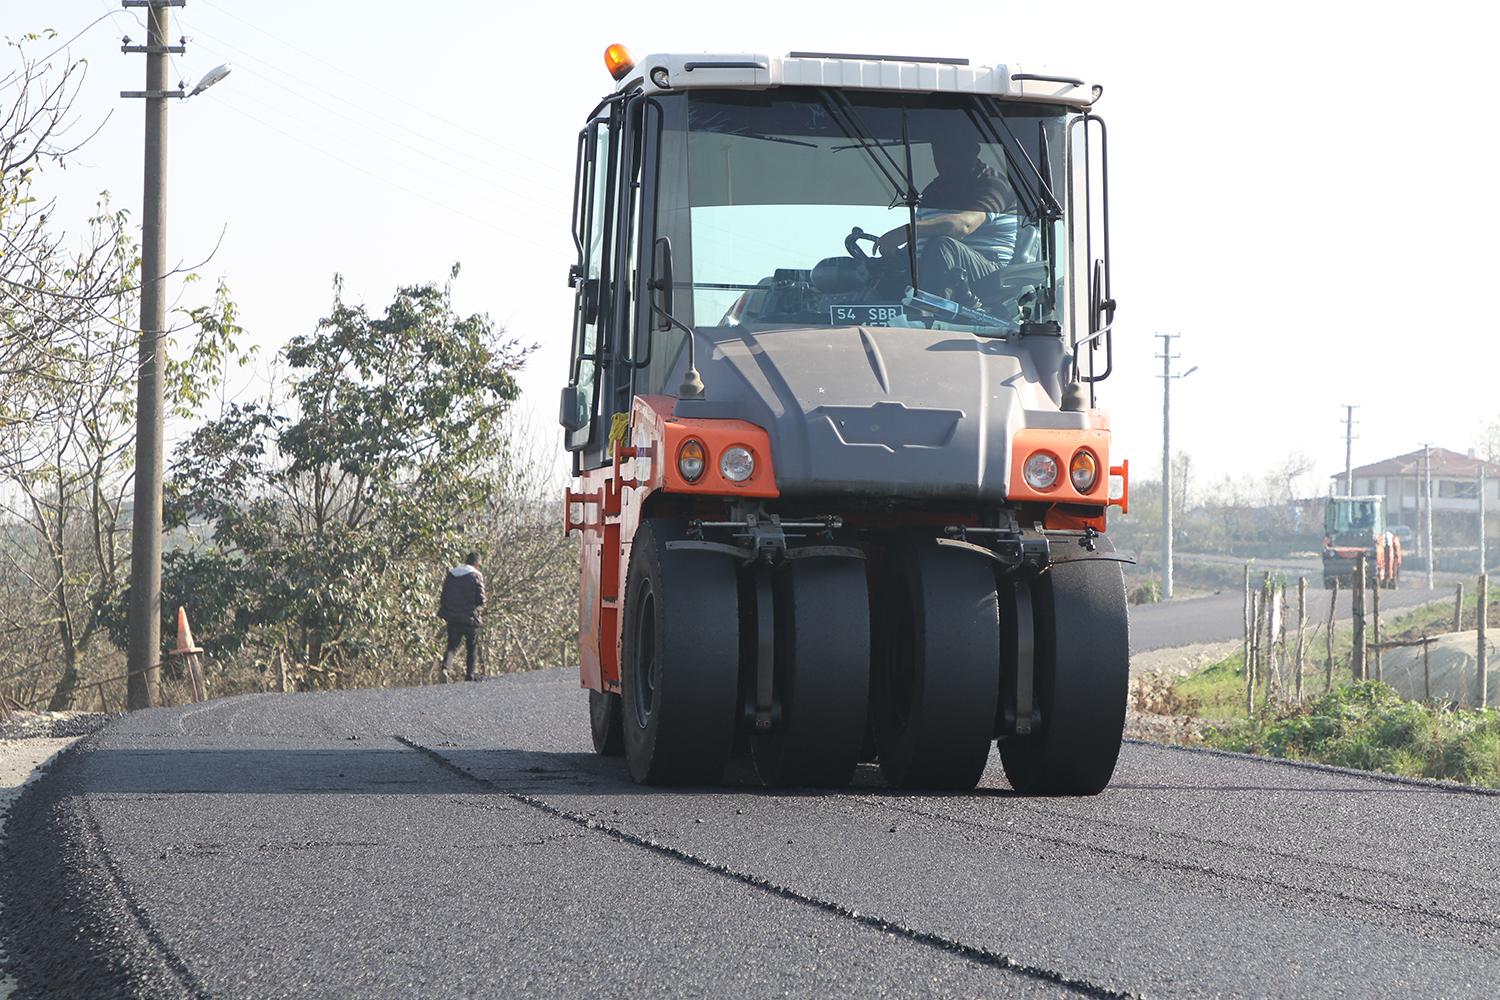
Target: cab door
[[590, 277]]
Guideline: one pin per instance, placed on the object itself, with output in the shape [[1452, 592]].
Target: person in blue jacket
[[459, 606]]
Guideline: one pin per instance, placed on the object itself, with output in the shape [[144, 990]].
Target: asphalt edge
[[1312, 765], [68, 924]]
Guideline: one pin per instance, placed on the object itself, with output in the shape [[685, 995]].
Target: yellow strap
[[619, 427]]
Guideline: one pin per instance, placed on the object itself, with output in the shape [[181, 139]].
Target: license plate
[[859, 315]]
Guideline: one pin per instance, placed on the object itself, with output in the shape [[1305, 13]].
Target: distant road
[[1217, 617], [462, 841]]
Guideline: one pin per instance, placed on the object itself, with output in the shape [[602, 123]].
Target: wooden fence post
[[1282, 612], [1458, 609], [1333, 607], [1255, 603], [1426, 668], [1249, 609], [1375, 600], [1301, 629], [1357, 596]]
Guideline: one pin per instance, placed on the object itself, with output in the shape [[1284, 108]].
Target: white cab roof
[[755, 71]]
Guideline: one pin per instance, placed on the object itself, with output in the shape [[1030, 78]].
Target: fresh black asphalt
[[463, 841]]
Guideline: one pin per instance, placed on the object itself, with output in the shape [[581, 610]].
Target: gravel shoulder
[[29, 742]]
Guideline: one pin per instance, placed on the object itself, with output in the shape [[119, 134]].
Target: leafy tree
[[67, 397], [328, 508]]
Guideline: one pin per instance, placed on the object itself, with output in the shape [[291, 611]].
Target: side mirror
[[661, 284], [569, 414], [588, 300]]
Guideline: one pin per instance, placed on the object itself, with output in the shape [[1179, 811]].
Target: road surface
[[462, 841]]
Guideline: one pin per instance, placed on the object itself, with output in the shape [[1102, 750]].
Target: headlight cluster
[[1042, 470], [736, 464]]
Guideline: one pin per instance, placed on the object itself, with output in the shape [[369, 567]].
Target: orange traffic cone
[[184, 635]]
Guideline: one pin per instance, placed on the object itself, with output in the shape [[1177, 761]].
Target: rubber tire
[[604, 723], [679, 669], [1083, 678], [937, 666], [822, 674]]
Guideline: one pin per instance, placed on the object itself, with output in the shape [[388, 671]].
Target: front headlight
[[1040, 471], [737, 463]]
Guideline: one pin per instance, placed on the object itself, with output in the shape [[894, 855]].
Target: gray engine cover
[[883, 411]]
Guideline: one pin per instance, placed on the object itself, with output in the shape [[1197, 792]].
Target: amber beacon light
[[618, 60]]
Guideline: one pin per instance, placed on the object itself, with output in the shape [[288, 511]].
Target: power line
[[556, 218], [378, 90], [404, 189], [300, 91]]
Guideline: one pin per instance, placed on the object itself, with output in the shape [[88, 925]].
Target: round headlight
[[1040, 471], [1084, 470], [692, 458], [737, 463]]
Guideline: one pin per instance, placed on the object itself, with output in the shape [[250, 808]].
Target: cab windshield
[[1357, 516], [775, 203]]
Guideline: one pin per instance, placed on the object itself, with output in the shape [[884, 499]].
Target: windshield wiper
[[901, 181], [1043, 203], [708, 123]]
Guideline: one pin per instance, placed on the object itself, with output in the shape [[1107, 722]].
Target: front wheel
[[822, 674], [679, 669], [1082, 678], [936, 670]]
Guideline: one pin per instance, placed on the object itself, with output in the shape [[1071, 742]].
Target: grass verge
[[1370, 727]]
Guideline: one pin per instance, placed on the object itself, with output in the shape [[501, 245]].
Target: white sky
[[1286, 192]]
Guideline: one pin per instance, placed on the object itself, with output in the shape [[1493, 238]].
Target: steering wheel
[[851, 244]]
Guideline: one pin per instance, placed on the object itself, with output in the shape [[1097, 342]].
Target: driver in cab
[[965, 226]]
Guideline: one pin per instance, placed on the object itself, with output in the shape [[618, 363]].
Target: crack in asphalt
[[972, 953]]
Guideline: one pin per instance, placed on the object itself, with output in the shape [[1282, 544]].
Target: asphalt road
[[461, 841]]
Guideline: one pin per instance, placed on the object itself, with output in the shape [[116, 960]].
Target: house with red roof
[[1456, 482]]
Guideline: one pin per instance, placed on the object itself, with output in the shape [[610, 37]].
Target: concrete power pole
[[1427, 505], [1482, 468], [1166, 459], [1349, 450], [144, 651]]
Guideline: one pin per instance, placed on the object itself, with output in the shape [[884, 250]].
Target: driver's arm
[[954, 224]]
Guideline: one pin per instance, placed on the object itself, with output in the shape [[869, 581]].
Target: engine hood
[[883, 411]]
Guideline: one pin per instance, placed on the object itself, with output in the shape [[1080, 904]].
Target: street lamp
[[144, 646]]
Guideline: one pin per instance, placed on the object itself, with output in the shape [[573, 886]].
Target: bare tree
[[51, 291]]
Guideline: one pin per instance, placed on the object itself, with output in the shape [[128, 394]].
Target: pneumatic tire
[[1082, 678], [679, 669], [936, 666], [822, 674]]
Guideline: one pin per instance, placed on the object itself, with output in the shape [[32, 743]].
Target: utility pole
[[1483, 468], [144, 649], [1166, 459], [1349, 450], [1427, 505]]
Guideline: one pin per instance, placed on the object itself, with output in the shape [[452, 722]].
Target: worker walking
[[459, 606]]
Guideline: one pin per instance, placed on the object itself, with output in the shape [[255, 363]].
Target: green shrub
[[1370, 727]]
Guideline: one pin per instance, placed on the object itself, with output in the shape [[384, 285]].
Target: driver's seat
[[1024, 270]]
